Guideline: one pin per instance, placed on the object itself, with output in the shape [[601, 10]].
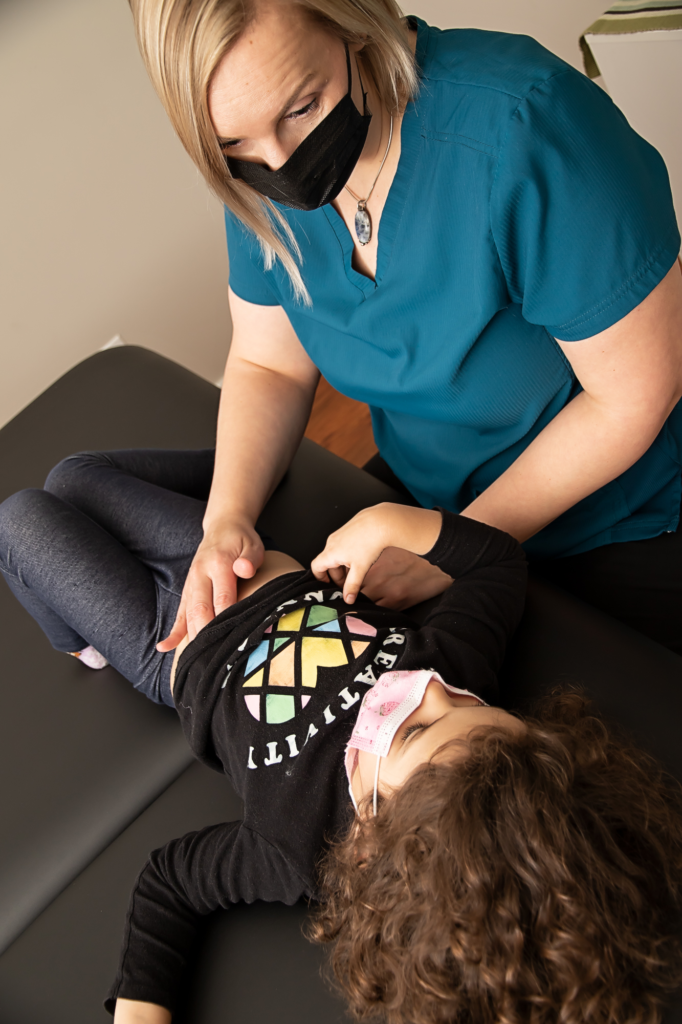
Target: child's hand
[[131, 1011], [398, 579], [351, 551]]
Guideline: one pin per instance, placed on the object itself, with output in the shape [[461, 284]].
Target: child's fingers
[[336, 566], [329, 568], [353, 584], [321, 565], [334, 573], [340, 573]]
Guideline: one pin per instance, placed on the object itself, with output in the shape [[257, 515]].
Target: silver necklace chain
[[363, 223]]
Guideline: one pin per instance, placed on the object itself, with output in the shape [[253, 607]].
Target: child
[[493, 870]]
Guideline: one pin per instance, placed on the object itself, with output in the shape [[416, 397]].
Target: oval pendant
[[363, 226]]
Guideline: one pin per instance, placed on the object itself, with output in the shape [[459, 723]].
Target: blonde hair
[[182, 43]]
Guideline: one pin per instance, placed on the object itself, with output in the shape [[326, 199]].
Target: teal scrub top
[[524, 209]]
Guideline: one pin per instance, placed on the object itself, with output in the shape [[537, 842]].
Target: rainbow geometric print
[[282, 670]]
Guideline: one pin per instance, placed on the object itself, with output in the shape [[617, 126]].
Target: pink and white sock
[[90, 657]]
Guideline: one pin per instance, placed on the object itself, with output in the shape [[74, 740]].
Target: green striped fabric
[[631, 16]]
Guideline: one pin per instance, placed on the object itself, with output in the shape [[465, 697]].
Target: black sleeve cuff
[[465, 544]]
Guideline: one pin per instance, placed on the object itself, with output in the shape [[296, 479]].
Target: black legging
[[100, 556], [638, 582]]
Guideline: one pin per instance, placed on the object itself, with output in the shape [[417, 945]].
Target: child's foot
[[90, 657]]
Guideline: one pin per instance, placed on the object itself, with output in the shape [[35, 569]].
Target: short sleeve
[[247, 274], [581, 210]]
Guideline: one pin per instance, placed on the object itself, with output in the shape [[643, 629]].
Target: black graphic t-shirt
[[268, 693]]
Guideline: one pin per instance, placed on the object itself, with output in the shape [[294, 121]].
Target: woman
[[470, 238]]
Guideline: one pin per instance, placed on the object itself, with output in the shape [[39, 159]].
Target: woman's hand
[[132, 1011], [232, 552], [350, 552]]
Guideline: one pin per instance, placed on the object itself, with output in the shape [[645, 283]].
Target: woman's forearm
[[267, 394], [584, 447], [632, 379], [263, 414]]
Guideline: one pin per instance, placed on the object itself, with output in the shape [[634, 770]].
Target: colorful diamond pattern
[[291, 662]]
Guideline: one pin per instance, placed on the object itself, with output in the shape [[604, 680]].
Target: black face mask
[[320, 166]]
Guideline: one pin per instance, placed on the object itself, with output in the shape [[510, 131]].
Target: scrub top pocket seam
[[459, 140]]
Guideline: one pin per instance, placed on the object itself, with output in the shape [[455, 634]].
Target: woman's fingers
[[211, 584], [176, 634], [221, 574], [244, 568], [207, 598]]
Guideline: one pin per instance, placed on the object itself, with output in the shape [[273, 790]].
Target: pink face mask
[[383, 710]]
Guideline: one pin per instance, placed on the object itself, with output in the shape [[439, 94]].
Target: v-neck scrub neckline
[[398, 196], [523, 209]]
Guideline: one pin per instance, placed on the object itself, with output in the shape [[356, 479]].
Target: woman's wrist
[[226, 520]]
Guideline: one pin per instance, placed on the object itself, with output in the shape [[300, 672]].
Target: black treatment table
[[93, 776]]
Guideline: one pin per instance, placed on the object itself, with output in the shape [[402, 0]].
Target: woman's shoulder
[[500, 64], [476, 83]]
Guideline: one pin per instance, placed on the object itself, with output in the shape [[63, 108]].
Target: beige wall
[[643, 73], [557, 24], [105, 227]]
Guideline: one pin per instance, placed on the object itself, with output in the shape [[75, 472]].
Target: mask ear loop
[[350, 80], [376, 785]]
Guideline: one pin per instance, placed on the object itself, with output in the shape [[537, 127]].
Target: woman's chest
[[436, 334], [361, 215]]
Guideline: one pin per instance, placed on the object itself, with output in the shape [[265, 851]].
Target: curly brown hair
[[536, 879]]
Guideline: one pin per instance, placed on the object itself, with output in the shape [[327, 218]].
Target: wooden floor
[[341, 425]]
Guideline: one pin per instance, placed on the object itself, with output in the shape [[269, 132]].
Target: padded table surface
[[82, 755]]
